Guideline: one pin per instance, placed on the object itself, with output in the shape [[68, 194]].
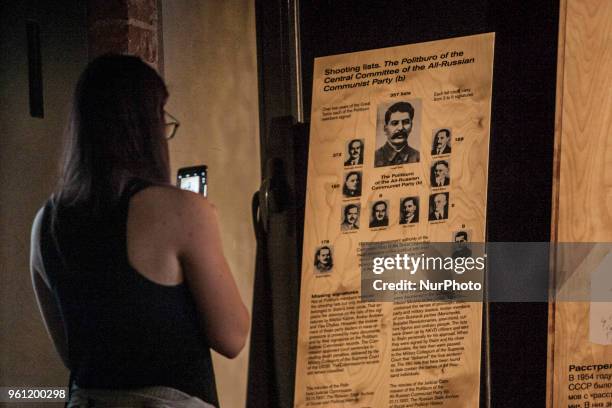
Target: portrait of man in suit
[[438, 206], [462, 250], [398, 125], [323, 261], [350, 220], [441, 142], [354, 153], [379, 216], [409, 210], [440, 174], [352, 184]]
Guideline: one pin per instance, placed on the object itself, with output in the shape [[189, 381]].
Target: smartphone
[[193, 179]]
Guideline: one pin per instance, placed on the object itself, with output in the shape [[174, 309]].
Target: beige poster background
[[580, 333], [387, 354]]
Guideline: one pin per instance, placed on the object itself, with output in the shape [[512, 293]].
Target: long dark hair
[[115, 133]]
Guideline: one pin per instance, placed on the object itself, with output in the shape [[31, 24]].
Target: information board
[[398, 153]]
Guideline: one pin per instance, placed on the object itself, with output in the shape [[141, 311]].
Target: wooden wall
[[582, 202]]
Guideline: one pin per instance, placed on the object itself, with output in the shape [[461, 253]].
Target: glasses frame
[[174, 123]]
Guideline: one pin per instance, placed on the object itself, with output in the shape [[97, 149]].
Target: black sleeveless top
[[123, 330]]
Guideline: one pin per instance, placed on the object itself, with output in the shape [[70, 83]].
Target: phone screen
[[191, 184], [193, 179]]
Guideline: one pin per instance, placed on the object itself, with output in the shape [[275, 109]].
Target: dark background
[[520, 163]]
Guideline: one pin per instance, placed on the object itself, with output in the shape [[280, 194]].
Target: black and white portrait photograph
[[350, 217], [441, 142], [398, 133], [352, 184], [379, 214], [438, 206], [354, 152], [461, 248], [409, 210], [440, 174], [323, 260]]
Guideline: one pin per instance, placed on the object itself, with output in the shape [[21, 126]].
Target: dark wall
[[522, 130], [29, 152]]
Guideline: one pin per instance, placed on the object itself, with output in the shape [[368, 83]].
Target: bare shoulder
[[170, 205], [185, 226], [162, 220]]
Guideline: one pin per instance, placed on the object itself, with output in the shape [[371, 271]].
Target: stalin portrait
[[399, 123]]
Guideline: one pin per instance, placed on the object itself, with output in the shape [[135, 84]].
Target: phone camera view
[[193, 179]]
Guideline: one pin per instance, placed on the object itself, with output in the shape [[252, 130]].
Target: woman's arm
[[49, 308], [224, 315], [173, 235]]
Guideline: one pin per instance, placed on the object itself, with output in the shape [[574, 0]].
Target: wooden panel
[[583, 193], [456, 97]]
